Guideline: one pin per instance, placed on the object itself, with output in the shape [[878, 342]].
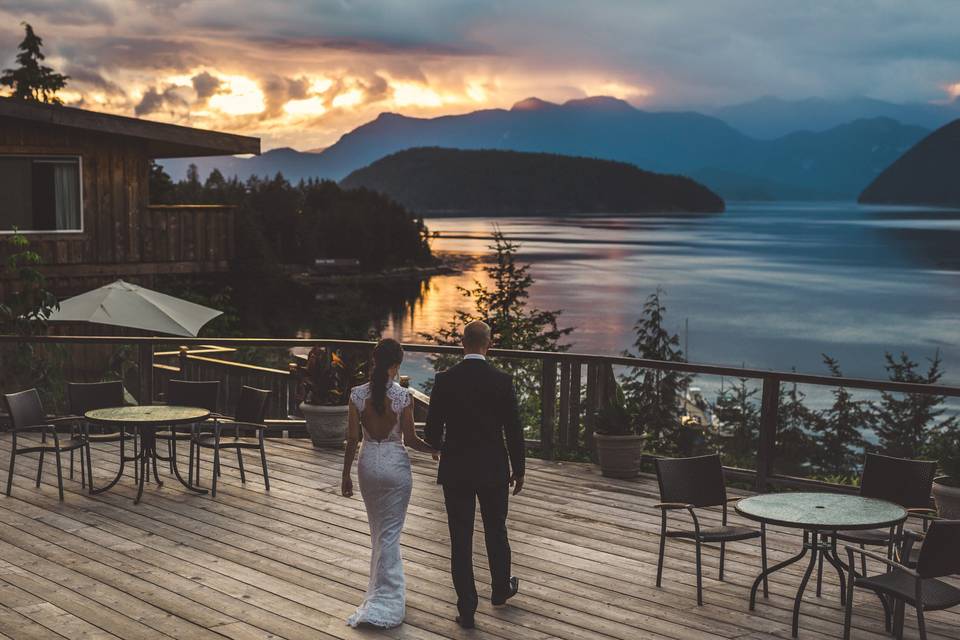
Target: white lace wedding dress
[[385, 483]]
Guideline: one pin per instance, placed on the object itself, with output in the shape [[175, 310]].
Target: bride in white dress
[[383, 411]]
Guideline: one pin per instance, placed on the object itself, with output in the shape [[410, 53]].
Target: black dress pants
[[461, 502]]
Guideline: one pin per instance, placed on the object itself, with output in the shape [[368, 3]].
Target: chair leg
[[171, 443], [59, 474], [190, 464], [216, 466], [723, 553], [13, 460], [263, 463], [40, 468], [863, 563], [71, 463], [817, 540], [663, 545], [921, 625], [83, 468], [848, 610], [243, 476], [887, 616], [763, 558], [90, 467], [699, 577]]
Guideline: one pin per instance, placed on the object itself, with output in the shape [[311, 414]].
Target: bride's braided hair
[[388, 353]]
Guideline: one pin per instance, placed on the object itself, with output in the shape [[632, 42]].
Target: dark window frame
[[52, 157]]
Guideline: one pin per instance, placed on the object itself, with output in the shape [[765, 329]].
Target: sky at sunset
[[302, 73]]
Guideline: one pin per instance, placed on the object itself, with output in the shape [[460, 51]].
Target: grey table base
[[146, 456], [820, 521]]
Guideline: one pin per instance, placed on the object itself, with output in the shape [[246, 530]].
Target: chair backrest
[[940, 553], [191, 393], [87, 396], [697, 481], [905, 482], [252, 406], [25, 409]]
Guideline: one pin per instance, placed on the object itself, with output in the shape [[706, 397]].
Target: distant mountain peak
[[608, 103], [532, 104]]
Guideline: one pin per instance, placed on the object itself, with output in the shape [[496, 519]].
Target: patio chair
[[87, 396], [189, 393], [251, 410], [27, 416], [905, 482], [693, 483], [919, 587]]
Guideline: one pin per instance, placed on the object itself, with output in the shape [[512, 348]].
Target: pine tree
[[33, 80], [907, 423], [654, 396], [504, 305], [738, 420], [839, 434], [795, 423]]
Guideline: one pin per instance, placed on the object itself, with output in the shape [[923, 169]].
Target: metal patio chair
[[190, 393], [919, 587], [693, 483], [87, 396], [27, 417], [251, 411]]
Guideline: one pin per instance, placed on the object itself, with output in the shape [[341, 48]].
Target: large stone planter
[[619, 456], [327, 426], [948, 499]]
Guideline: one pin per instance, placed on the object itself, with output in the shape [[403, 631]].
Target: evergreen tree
[[504, 305], [738, 425], [907, 423], [796, 422], [839, 434], [655, 397], [33, 80], [162, 188]]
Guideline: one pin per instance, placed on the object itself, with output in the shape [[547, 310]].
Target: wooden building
[[75, 183]]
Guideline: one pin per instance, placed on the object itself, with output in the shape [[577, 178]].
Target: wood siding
[[122, 234]]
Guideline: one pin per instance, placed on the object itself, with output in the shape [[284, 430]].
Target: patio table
[[820, 515], [147, 419]]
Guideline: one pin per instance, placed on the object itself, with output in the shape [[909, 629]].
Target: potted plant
[[327, 378], [619, 447], [946, 488]]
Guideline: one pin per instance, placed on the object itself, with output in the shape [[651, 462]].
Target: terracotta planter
[[327, 426], [619, 456], [948, 499]]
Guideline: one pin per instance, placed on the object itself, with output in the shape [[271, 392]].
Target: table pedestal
[[819, 544]]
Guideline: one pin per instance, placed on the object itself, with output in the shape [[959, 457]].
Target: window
[[40, 194]]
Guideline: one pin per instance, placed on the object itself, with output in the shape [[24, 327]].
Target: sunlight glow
[[407, 94], [307, 107], [617, 90], [240, 96], [953, 90], [349, 98]]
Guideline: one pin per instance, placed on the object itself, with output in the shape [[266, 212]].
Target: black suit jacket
[[473, 409]]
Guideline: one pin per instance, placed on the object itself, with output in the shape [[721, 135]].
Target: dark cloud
[[168, 100], [205, 84], [92, 78], [381, 47], [278, 90], [135, 52], [61, 12]]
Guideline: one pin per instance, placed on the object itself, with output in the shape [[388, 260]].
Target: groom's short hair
[[476, 335]]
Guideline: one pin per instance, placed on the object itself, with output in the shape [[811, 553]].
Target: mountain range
[[833, 164]]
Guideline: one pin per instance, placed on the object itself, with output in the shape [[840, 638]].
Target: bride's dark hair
[[388, 353]]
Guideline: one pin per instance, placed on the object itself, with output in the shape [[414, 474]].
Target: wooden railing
[[562, 381]]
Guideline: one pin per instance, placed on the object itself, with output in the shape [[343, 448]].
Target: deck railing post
[[573, 418], [769, 406], [548, 406], [146, 373], [563, 430], [182, 360]]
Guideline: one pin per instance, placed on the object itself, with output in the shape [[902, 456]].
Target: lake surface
[[765, 285]]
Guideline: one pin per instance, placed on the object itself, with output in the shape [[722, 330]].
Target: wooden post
[[593, 374], [182, 358], [770, 400], [146, 373], [564, 417], [573, 419], [548, 401]]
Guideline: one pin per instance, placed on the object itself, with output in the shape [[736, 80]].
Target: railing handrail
[[557, 356]]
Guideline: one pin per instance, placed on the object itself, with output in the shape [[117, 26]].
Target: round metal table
[[147, 419], [820, 515]]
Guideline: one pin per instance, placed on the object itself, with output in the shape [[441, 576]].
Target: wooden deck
[[293, 563]]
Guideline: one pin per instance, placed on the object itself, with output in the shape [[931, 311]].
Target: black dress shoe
[[465, 622], [498, 600]]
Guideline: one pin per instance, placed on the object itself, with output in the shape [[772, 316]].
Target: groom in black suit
[[473, 409]]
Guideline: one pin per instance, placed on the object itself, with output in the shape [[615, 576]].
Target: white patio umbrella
[[127, 305]]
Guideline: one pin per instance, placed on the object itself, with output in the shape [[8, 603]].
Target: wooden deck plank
[[292, 563]]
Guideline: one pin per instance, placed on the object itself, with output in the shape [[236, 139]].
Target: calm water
[[763, 285]]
